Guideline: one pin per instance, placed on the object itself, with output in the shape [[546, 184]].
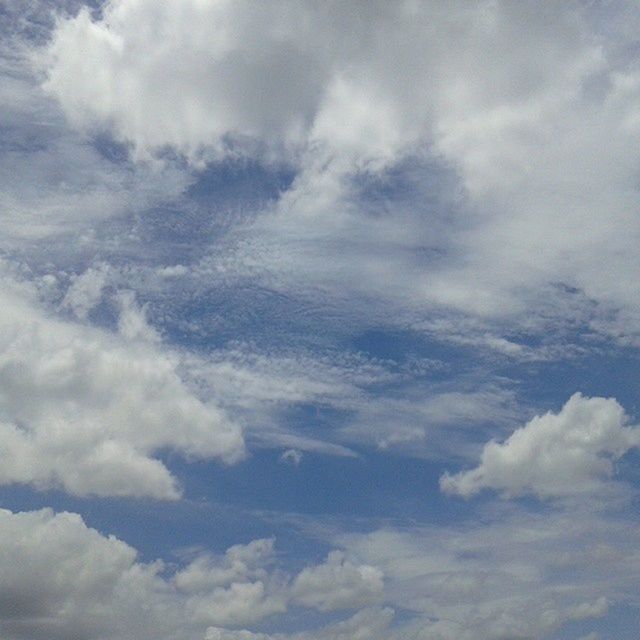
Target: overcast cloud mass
[[319, 320]]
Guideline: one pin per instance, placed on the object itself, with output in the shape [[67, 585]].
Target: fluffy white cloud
[[571, 452], [534, 111], [366, 79], [239, 603], [82, 410], [282, 75], [337, 584], [233, 71], [85, 291], [239, 563], [236, 589], [132, 322], [241, 587], [60, 579]]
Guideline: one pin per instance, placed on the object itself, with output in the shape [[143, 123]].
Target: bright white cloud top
[[282, 282], [562, 454], [86, 411]]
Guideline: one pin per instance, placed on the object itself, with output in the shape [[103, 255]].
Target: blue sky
[[319, 321]]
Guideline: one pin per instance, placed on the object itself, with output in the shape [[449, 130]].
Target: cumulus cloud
[[239, 603], [289, 73], [337, 584], [235, 589], [59, 579], [239, 563], [85, 291], [235, 77], [568, 453], [280, 75], [82, 411], [242, 587]]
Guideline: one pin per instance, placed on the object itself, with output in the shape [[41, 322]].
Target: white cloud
[[234, 71], [239, 563], [367, 80], [242, 587], [534, 112], [81, 410], [132, 322], [60, 579], [239, 603], [368, 624], [291, 456], [85, 291], [508, 574], [338, 584], [568, 453], [235, 589]]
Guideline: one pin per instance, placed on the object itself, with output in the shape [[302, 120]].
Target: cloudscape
[[319, 320]]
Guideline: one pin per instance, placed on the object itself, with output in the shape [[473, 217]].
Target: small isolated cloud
[[291, 456], [554, 455]]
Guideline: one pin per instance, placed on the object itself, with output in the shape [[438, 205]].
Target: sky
[[319, 320]]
